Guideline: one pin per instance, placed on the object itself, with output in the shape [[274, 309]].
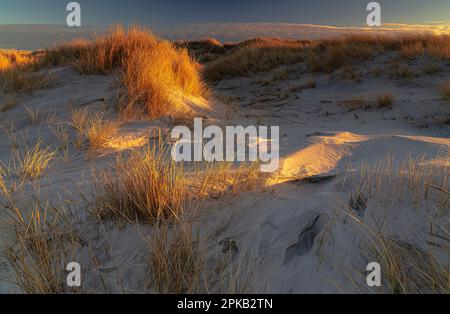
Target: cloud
[[33, 37]]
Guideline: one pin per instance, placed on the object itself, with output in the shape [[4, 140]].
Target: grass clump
[[152, 71], [147, 185], [10, 58], [384, 100], [144, 186], [176, 261], [31, 163], [25, 81], [95, 129]]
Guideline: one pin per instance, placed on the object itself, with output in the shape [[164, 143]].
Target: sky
[[151, 12]]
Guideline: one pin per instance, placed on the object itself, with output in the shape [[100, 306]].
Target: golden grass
[[31, 163], [434, 46], [94, 128], [153, 78], [151, 70], [321, 55], [100, 130], [147, 185], [10, 58]]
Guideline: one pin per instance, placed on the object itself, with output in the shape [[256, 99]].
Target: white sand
[[298, 238]]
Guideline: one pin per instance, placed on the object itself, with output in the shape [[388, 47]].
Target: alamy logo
[[74, 276], [74, 17], [241, 144], [374, 17], [374, 277]]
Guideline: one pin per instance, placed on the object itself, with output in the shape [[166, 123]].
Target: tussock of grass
[[25, 80], [382, 100], [14, 58], [177, 264], [94, 128], [153, 78], [100, 130], [149, 186], [385, 100], [31, 163], [144, 186], [151, 70]]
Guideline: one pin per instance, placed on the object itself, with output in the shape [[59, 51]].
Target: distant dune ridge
[[32, 37]]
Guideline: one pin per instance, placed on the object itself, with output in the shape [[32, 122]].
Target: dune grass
[[323, 56], [247, 60], [10, 58], [151, 70], [25, 80], [93, 128], [29, 163], [176, 260], [152, 79], [384, 100], [407, 267], [434, 46], [18, 73], [147, 185]]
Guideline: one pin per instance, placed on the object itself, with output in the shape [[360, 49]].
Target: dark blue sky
[[329, 12]]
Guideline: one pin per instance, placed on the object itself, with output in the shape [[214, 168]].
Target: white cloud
[[33, 37]]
